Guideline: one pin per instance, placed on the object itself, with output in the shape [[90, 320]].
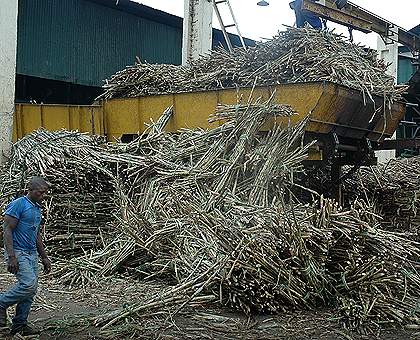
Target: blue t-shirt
[[29, 215]]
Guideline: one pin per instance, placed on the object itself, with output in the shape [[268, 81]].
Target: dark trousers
[[302, 17]]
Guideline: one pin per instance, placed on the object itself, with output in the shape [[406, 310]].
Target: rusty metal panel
[[337, 16], [350, 113]]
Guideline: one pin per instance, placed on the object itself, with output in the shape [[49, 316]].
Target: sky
[[258, 22]]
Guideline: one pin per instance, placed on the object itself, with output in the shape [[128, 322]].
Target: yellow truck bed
[[333, 107]]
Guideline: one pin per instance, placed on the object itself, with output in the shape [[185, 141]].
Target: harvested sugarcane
[[294, 55], [211, 212], [394, 190]]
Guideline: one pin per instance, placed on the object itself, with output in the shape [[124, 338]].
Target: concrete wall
[[388, 50], [197, 32], [8, 36]]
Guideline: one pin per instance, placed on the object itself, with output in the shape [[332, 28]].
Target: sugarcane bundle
[[394, 189], [80, 206], [282, 258], [211, 211], [263, 255], [270, 257], [294, 55]]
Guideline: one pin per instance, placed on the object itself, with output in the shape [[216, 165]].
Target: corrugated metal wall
[[405, 69], [83, 42]]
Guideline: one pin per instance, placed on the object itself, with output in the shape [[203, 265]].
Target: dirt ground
[[64, 313]]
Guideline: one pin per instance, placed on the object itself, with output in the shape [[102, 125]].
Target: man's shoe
[[3, 317], [25, 330]]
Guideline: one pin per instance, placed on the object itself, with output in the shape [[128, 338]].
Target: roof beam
[[360, 19], [336, 16]]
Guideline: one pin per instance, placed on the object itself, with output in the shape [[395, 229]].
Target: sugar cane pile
[[294, 55], [82, 202], [393, 188], [211, 213]]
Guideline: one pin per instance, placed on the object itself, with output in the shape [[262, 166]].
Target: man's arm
[[41, 251], [10, 223]]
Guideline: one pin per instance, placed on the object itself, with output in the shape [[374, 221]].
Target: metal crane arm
[[360, 19]]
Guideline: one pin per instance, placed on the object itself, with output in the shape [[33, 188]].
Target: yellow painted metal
[[122, 117], [333, 108], [193, 110], [314, 154], [152, 107], [29, 117]]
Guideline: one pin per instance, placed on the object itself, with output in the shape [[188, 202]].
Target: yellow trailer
[[333, 107], [84, 118], [337, 113]]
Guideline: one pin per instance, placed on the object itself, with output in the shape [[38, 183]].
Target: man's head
[[37, 190]]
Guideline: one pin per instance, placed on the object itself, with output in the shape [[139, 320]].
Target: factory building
[[66, 49]]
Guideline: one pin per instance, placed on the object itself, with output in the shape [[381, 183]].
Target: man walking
[[22, 241]]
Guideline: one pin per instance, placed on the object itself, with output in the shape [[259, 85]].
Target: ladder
[[223, 26]]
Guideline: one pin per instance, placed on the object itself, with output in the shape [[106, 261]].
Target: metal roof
[[142, 11], [84, 42]]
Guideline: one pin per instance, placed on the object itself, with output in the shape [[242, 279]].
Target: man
[[302, 17], [22, 241]]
